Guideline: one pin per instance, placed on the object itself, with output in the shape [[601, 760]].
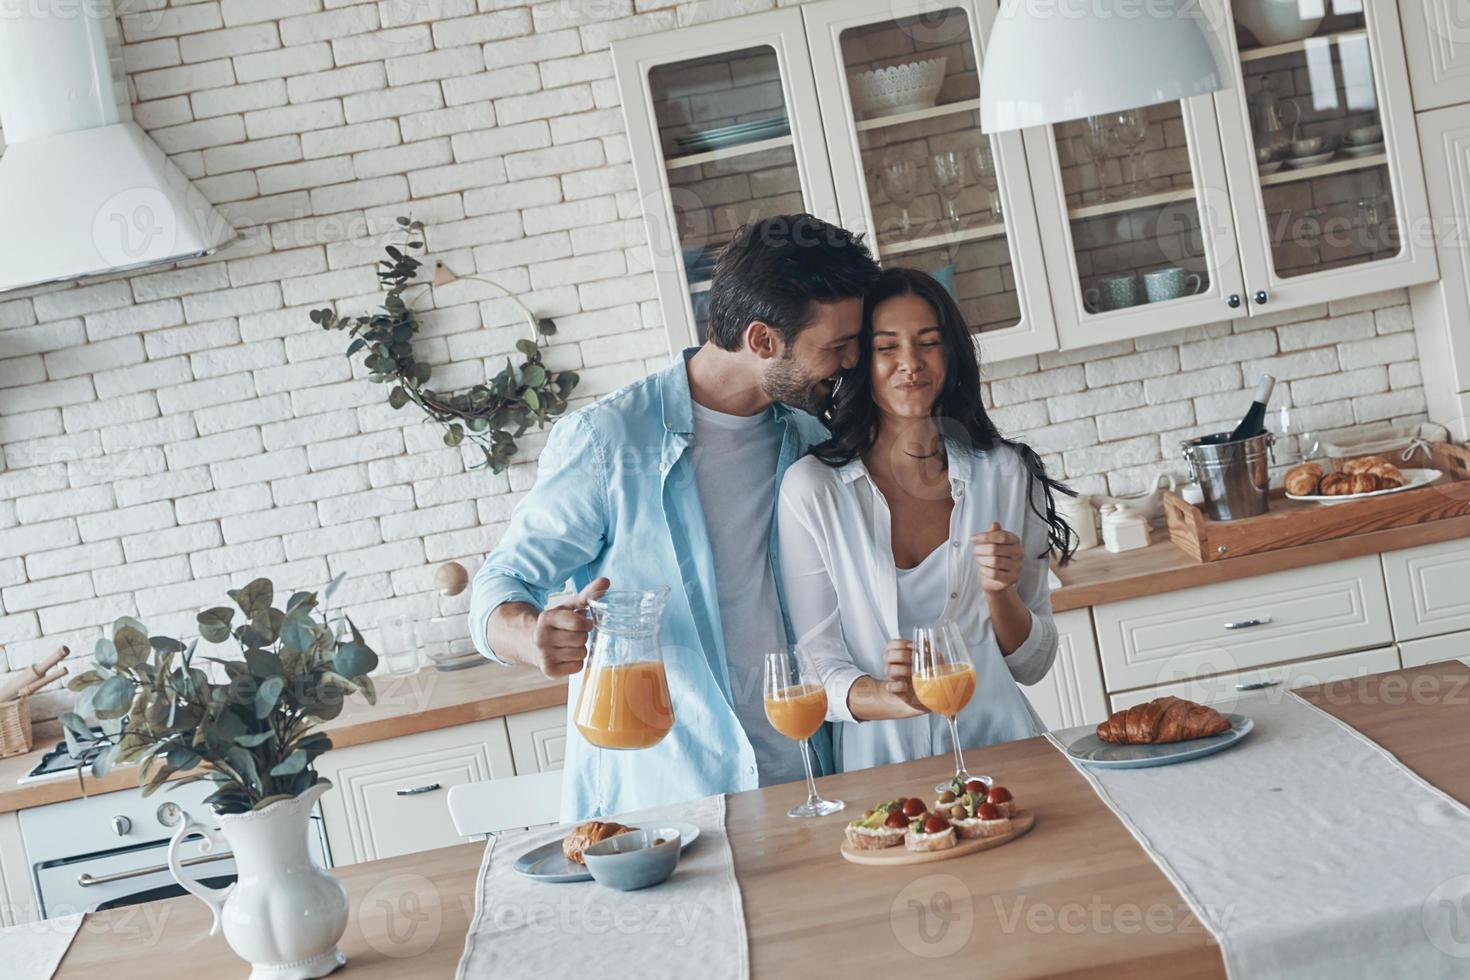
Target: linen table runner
[[692, 925], [33, 950], [1307, 850]]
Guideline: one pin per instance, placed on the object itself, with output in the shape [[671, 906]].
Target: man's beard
[[786, 381]]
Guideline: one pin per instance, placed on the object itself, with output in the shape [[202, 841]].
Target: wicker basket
[[15, 728]]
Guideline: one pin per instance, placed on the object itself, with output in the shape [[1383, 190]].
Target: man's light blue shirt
[[615, 496]]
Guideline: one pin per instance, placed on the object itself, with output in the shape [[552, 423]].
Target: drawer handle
[[1257, 686], [417, 790], [1245, 624], [87, 881]]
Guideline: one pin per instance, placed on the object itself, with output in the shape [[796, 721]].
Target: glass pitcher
[[624, 702]]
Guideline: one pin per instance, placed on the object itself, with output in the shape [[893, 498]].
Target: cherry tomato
[[987, 811], [935, 824], [895, 819], [998, 794], [913, 807], [975, 786]]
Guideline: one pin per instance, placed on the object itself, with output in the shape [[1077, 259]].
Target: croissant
[[1301, 481], [1386, 473], [585, 835], [1365, 482], [1162, 720], [1363, 464], [1336, 484]]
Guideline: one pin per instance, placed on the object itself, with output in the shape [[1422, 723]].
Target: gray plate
[[547, 862], [1095, 752]]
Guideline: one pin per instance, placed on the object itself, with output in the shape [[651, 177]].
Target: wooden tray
[[1289, 523], [1022, 822]]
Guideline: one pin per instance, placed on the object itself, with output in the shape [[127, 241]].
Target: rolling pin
[[14, 684]]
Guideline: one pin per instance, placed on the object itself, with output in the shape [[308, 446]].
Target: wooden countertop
[[1096, 575], [808, 911], [419, 702]]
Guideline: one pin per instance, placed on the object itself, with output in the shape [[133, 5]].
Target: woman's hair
[[853, 418]]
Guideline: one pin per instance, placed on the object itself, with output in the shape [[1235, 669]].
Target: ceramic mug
[[1112, 293], [1171, 283]]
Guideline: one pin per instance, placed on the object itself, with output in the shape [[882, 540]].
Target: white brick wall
[[172, 433]]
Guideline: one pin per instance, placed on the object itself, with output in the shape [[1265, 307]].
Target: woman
[[917, 511]]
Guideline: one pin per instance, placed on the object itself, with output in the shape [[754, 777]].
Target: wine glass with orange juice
[[796, 706], [624, 702], [944, 681]]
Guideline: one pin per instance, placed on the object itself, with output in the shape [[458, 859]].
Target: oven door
[[118, 878]]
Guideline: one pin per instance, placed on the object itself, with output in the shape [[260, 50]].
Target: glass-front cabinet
[[1322, 152], [724, 129], [1299, 183], [1136, 222], [899, 87]]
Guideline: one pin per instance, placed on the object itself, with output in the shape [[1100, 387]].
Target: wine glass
[[900, 181], [983, 160], [1130, 129], [944, 680], [1094, 143], [796, 706], [948, 171]]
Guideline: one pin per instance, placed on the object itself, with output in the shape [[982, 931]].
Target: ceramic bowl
[[1364, 135], [1309, 147], [898, 88], [1267, 154], [633, 860]]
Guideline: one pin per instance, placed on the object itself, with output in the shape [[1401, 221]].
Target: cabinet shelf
[[1290, 47], [700, 286], [977, 233], [1139, 203], [1287, 176], [918, 115], [727, 153]]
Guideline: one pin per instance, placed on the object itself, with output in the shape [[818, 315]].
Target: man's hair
[[775, 268]]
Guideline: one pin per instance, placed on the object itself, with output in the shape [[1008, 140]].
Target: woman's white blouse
[[841, 588]]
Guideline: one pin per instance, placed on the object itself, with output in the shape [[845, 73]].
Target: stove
[[59, 761]]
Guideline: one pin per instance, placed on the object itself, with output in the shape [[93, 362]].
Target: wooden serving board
[[1022, 822], [1289, 523]]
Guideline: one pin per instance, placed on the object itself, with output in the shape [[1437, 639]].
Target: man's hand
[[553, 641], [999, 558]]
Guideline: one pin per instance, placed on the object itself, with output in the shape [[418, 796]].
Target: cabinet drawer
[[1071, 693], [1231, 626], [1426, 589], [1436, 649], [390, 796], [538, 739], [1222, 690]]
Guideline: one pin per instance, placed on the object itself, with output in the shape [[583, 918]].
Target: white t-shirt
[[922, 593], [735, 459]]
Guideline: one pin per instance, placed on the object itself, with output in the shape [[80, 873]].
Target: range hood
[[82, 188]]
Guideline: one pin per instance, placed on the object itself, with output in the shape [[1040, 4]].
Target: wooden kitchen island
[[1077, 897]]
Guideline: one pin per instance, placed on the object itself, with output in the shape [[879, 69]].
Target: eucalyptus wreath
[[492, 415]]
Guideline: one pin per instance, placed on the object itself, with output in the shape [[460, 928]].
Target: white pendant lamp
[[1051, 61]]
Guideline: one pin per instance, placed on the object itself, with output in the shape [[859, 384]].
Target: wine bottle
[[1254, 422]]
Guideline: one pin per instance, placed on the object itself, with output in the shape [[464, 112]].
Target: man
[[672, 481]]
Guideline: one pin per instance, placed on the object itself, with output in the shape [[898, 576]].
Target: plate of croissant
[[1367, 476], [561, 860], [1160, 732]]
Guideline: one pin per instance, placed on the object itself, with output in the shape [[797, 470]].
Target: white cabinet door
[[538, 739], [1345, 224], [390, 796], [1436, 649], [1230, 626], [17, 892], [928, 188], [1142, 240], [1437, 39], [1442, 310], [1071, 694], [1429, 589], [1223, 690], [677, 85]]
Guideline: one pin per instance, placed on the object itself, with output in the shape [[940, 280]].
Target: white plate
[[1316, 159], [1412, 479], [1366, 150], [547, 862]]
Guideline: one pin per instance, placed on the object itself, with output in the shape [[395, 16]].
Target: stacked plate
[[733, 135]]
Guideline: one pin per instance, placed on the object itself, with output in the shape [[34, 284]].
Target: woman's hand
[[898, 664], [999, 558]]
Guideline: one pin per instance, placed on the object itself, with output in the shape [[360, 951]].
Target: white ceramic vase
[[1276, 21], [283, 915]]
